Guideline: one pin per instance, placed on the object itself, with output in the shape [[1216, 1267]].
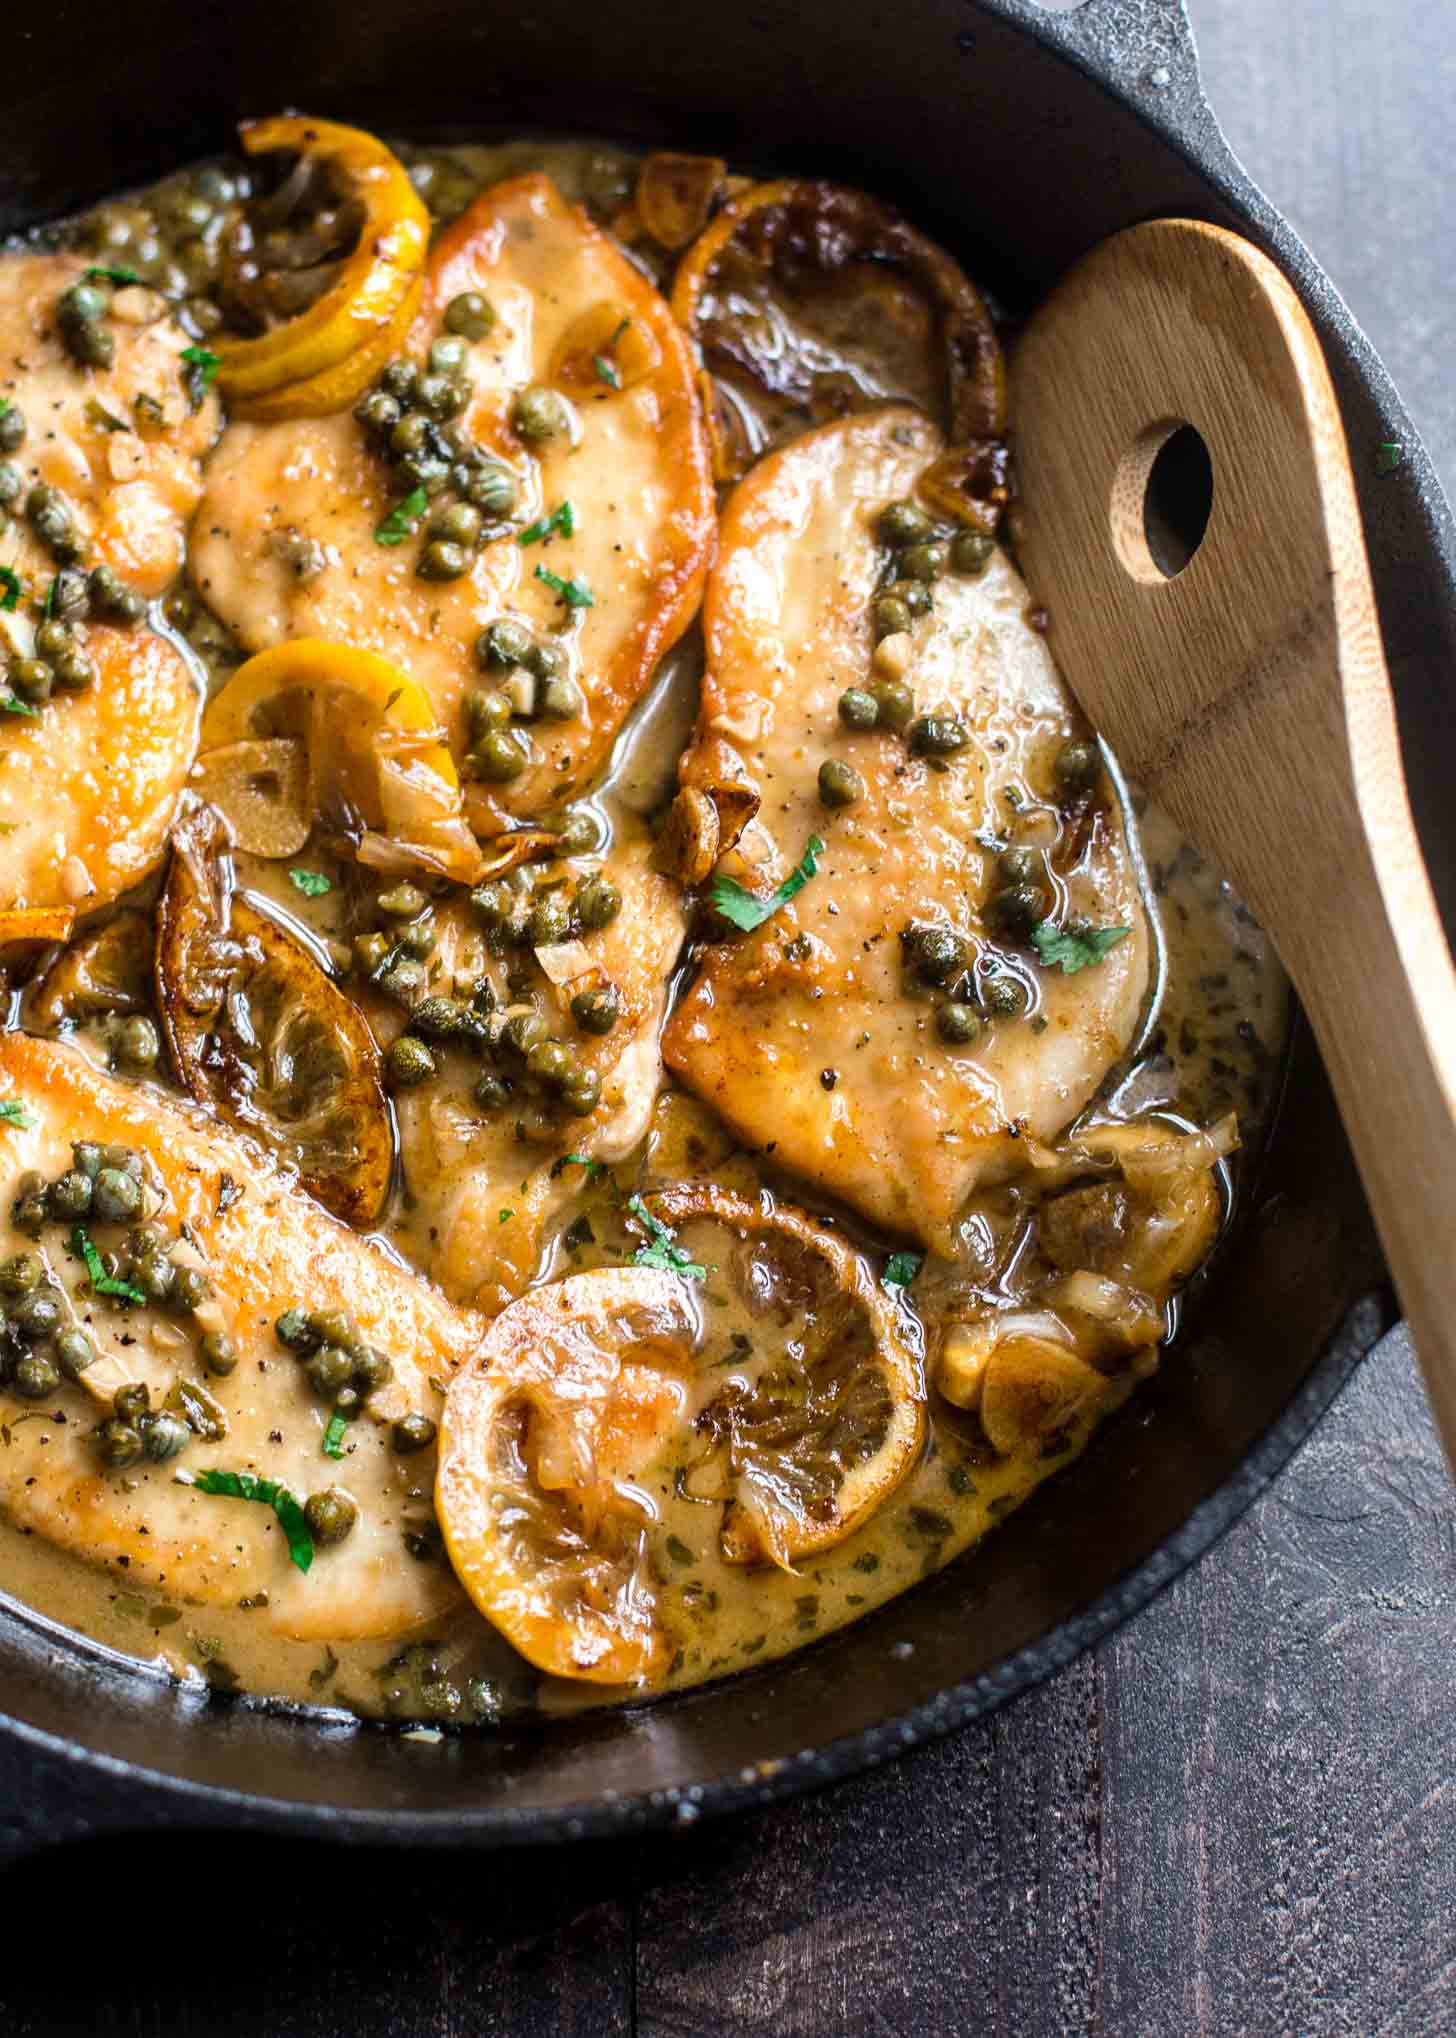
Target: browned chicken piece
[[632, 463], [264, 1248], [819, 1035]]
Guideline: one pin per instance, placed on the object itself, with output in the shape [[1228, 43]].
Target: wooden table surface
[[1237, 1816]]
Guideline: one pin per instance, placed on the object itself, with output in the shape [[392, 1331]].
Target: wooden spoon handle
[[1248, 691]]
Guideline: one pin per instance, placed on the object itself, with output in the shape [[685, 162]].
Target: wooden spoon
[[1248, 692]]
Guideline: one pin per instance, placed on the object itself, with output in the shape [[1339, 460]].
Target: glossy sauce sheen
[[1199, 1004]]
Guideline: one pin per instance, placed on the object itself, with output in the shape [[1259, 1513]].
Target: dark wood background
[[1237, 1816]]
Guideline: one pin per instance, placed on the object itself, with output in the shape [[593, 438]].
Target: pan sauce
[[1207, 1043]]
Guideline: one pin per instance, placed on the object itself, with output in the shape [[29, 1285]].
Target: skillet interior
[[1021, 160]]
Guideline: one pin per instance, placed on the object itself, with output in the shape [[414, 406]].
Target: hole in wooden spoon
[[1162, 498]]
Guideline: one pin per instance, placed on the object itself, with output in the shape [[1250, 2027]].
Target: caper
[[582, 1092], [328, 1370], [12, 428], [398, 378], [579, 832], [69, 1196], [372, 1368], [538, 414], [402, 901], [411, 1433], [218, 1353], [32, 679], [597, 903], [131, 1402], [109, 595], [904, 523], [75, 671], [12, 481], [937, 736], [891, 616], [469, 314], [295, 1329], [37, 1314], [1019, 866], [119, 1443], [547, 661], [840, 785], [437, 1019], [138, 1044], [915, 595], [440, 560], [448, 355], [926, 562], [597, 1011], [190, 1288], [54, 638], [551, 1062], [504, 643], [485, 711], [50, 516], [549, 920], [894, 702], [443, 396], [493, 904], [29, 1211], [970, 551], [124, 1157], [74, 1351], [561, 700], [1002, 996], [423, 470], [19, 1274], [524, 1030], [155, 1276], [409, 1062], [1077, 765], [83, 301], [70, 601], [933, 953], [116, 1195], [411, 434], [403, 980], [957, 1023], [36, 1375], [1017, 909], [458, 522], [417, 937], [491, 487], [370, 951], [501, 755], [164, 1436], [378, 412], [330, 1515], [90, 343]]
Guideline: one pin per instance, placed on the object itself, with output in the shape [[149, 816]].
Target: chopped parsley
[[50, 600], [1074, 949], [13, 1112], [745, 910], [562, 518], [901, 1269], [10, 581], [594, 1169], [506, 1216], [199, 371], [12, 704], [574, 592], [662, 1253], [1388, 456], [333, 1444], [606, 371], [246, 1486], [120, 277], [312, 883], [394, 528], [101, 1282], [104, 420]]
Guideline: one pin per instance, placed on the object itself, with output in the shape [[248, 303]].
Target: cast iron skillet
[[1022, 137]]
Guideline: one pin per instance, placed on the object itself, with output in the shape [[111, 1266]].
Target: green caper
[[378, 412], [437, 1019], [296, 1331], [934, 954], [840, 785], [83, 302], [69, 598], [411, 435], [36, 1375], [119, 1443], [409, 1062], [580, 832], [547, 661], [88, 1156], [19, 1274], [54, 638], [109, 595], [503, 644], [491, 487], [926, 562], [370, 951], [1016, 909], [124, 1157], [116, 1195], [50, 517], [330, 1368], [560, 700], [90, 343], [891, 616], [1019, 866], [131, 1402], [458, 523], [372, 1368], [493, 904], [412, 1433], [403, 980], [37, 1314], [597, 903], [538, 414], [190, 1288], [485, 711], [402, 901], [894, 702], [970, 551], [417, 937], [501, 755], [74, 1351], [164, 1436], [12, 481], [598, 1010], [470, 315], [915, 595], [937, 736], [582, 1092], [32, 679], [12, 428], [957, 1023], [1077, 765], [490, 1092], [29, 1210], [425, 470], [399, 378], [443, 396], [524, 1030], [218, 1353], [69, 1196], [138, 1044], [1003, 997], [549, 920], [551, 1062], [448, 355], [330, 1515], [155, 1276], [904, 523], [335, 1327], [440, 560]]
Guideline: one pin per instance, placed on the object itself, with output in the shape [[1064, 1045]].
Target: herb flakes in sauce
[[745, 910], [269, 1493]]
